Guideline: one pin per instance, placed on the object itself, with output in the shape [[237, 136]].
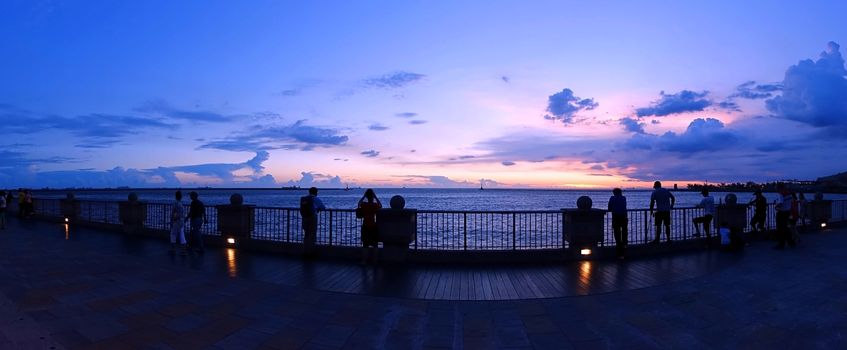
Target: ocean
[[422, 199]]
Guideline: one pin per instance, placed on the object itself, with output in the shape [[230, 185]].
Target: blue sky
[[378, 93]]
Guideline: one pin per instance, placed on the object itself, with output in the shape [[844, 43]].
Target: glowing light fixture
[[67, 219], [823, 225], [230, 240], [585, 251]]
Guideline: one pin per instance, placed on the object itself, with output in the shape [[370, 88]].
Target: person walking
[[2, 210], [196, 217], [708, 205], [367, 208], [663, 200], [178, 224], [617, 206], [760, 212], [309, 207], [783, 216]]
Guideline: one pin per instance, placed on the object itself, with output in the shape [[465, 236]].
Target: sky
[[521, 94]]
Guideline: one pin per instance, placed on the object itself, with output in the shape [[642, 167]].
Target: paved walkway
[[100, 290]]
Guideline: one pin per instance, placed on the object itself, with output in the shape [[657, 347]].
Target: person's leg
[[310, 230], [616, 228], [365, 246], [697, 222], [781, 228], [197, 234], [707, 225], [624, 235]]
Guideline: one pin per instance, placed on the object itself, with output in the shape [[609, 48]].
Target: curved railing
[[436, 229]]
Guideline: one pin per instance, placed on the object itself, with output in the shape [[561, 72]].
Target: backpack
[[307, 207]]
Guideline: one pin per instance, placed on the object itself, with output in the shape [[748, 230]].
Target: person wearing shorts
[[663, 201]]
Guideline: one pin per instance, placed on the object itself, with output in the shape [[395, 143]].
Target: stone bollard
[[397, 228], [583, 227], [69, 207], [730, 212], [236, 220], [132, 214], [819, 211]]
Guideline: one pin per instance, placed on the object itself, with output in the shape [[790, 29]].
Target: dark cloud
[[632, 125], [267, 137], [377, 127], [370, 153], [752, 91], [507, 163], [681, 102], [506, 79], [564, 105], [597, 167], [417, 122], [406, 115], [162, 108], [729, 105], [394, 80], [815, 92]]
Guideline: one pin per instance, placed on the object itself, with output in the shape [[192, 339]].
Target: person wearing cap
[[708, 205]]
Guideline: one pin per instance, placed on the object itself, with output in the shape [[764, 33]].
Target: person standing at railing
[[783, 215], [617, 206], [21, 205], [760, 212], [663, 200], [196, 216], [708, 205], [366, 210], [309, 207], [178, 224]]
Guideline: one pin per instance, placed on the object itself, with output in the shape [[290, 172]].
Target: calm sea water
[[425, 199]]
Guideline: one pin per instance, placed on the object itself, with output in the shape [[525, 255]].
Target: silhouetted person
[[368, 206], [3, 210], [29, 206], [178, 224], [664, 201], [783, 215], [617, 206], [21, 205], [760, 211], [197, 217], [708, 205], [309, 207]]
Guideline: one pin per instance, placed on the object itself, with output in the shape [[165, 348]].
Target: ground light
[[67, 220], [230, 240], [585, 252], [823, 225]]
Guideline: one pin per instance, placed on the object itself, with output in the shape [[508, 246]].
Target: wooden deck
[[436, 282]]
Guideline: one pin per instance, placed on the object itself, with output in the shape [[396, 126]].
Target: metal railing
[[436, 229]]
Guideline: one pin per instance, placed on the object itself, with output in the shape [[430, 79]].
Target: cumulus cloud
[[377, 127], [815, 92], [310, 179], [702, 135], [370, 153], [248, 173], [632, 125], [681, 102], [298, 135], [564, 105], [394, 80]]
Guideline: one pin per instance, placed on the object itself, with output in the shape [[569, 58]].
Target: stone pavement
[[85, 288]]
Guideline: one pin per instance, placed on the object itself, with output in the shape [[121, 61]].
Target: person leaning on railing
[[309, 206], [617, 206]]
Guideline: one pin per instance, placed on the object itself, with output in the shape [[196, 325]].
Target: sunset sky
[[554, 94]]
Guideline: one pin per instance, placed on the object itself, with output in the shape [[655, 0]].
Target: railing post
[[684, 224], [330, 227], [514, 232], [646, 227], [416, 231], [465, 215], [288, 225]]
